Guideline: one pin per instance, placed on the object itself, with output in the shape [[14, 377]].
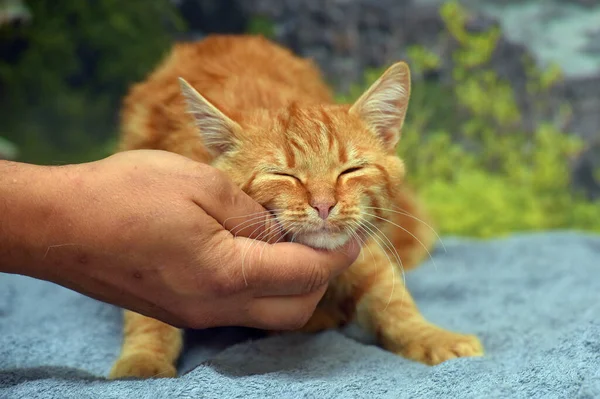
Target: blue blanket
[[533, 299]]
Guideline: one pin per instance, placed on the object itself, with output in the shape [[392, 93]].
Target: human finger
[[291, 268], [283, 312]]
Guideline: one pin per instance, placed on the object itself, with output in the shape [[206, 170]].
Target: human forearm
[[28, 207], [54, 226]]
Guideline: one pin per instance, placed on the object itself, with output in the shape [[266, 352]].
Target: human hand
[[148, 231]]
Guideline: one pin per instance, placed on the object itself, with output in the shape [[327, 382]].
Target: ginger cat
[[327, 171]]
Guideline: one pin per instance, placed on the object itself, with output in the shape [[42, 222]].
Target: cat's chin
[[322, 239]]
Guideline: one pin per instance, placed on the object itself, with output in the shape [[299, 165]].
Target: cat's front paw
[[438, 345], [142, 365]]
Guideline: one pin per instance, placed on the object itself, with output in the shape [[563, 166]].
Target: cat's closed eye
[[286, 175], [351, 170]]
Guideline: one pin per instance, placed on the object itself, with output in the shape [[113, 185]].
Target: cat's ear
[[218, 131], [383, 106]]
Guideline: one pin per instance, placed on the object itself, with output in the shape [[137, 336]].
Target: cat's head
[[325, 171]]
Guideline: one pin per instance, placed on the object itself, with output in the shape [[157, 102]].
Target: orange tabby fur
[[272, 114]]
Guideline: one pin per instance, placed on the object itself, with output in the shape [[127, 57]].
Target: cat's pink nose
[[323, 208]]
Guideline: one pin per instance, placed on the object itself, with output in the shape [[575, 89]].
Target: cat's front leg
[[150, 348], [389, 311]]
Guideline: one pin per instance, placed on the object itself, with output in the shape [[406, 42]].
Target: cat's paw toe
[[142, 365], [441, 346]]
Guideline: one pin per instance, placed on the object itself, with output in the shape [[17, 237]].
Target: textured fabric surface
[[533, 299]]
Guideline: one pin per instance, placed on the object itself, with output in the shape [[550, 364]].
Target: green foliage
[[467, 154], [260, 25], [475, 50], [422, 60], [66, 71]]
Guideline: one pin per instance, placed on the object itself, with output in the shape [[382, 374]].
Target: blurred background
[[503, 129]]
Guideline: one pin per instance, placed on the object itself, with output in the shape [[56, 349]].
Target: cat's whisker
[[261, 216], [293, 236], [374, 237], [390, 245], [406, 230], [245, 252], [264, 212], [391, 248], [252, 214], [284, 227], [256, 221], [269, 232], [260, 240], [249, 226], [264, 242], [367, 236], [406, 213], [363, 243]]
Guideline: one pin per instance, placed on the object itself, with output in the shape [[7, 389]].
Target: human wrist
[[30, 203]]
